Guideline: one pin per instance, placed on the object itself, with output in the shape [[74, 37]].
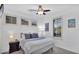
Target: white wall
[[70, 36], [42, 22], [15, 29], [0, 34]]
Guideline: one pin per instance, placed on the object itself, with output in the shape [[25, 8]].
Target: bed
[[36, 45]]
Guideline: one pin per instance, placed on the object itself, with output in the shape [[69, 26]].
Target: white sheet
[[31, 46]]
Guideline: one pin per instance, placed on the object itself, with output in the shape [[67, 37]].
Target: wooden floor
[[55, 50]]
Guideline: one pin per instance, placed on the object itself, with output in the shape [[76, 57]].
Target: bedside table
[[14, 46]]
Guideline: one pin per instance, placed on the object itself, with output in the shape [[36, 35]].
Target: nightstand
[[14, 46]]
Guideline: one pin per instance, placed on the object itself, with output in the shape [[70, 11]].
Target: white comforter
[[31, 46]]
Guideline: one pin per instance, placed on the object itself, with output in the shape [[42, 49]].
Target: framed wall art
[[34, 23], [71, 23], [47, 27]]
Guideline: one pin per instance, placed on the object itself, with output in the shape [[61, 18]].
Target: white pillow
[[22, 36]]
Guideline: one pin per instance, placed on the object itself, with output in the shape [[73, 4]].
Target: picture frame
[[34, 24], [24, 22], [71, 23]]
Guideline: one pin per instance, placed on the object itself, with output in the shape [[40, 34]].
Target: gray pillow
[[27, 36], [34, 35]]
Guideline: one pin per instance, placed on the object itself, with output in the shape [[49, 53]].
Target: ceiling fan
[[1, 9], [40, 10]]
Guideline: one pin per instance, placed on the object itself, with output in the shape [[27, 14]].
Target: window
[[24, 22], [57, 27], [10, 20]]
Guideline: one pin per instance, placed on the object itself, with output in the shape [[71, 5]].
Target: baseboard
[[67, 49], [5, 53]]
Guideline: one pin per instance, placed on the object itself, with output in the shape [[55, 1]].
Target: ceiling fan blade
[[32, 10], [46, 10]]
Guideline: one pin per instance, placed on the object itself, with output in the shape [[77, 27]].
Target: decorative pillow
[[30, 35], [34, 35], [27, 36]]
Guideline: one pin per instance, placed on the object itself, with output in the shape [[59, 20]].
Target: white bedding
[[31, 46]]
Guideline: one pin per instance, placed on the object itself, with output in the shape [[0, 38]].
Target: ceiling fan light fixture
[[40, 12]]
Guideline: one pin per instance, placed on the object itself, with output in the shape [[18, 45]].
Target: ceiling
[[23, 8]]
